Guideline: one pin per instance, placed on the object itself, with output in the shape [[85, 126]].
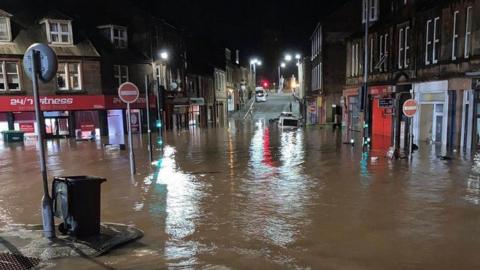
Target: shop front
[[382, 104], [76, 116], [430, 124], [351, 110], [62, 114], [116, 117], [312, 114]]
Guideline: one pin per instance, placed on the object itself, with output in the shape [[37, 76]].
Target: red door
[[381, 126]]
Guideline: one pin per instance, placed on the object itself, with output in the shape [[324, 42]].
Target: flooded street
[[255, 197]]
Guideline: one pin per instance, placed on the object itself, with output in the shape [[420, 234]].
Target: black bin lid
[[80, 178]]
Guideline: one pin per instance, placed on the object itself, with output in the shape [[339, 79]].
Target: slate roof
[[27, 30]]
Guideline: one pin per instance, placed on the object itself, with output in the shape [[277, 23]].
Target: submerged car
[[287, 120]]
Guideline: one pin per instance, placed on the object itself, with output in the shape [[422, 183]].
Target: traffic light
[[265, 84]]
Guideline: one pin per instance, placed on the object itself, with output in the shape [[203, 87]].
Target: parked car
[[260, 95]]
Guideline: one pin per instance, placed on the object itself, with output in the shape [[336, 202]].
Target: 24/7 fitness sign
[[410, 108]]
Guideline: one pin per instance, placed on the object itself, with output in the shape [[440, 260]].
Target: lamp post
[[164, 56], [253, 68], [280, 84], [287, 59]]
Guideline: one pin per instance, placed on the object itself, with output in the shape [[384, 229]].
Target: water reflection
[[473, 182], [278, 190], [174, 200]]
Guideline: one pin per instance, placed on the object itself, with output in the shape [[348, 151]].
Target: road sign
[[385, 103], [47, 62], [128, 92], [410, 108]]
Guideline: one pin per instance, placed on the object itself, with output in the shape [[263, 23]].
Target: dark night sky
[[263, 28]]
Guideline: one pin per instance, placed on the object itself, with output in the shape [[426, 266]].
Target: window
[[59, 32], [370, 7], [455, 36], [355, 60], [406, 58], [468, 32], [403, 47], [69, 76], [9, 78], [119, 37], [400, 47], [372, 42], [436, 40], [116, 34], [5, 34], [428, 42], [383, 53], [120, 73]]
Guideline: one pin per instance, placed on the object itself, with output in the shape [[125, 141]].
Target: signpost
[[385, 103], [410, 108], [40, 62], [128, 93]]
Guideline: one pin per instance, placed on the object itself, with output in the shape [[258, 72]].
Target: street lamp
[[253, 67], [164, 55], [298, 56], [288, 57]]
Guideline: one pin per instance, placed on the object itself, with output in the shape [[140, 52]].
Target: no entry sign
[[128, 92], [410, 108]]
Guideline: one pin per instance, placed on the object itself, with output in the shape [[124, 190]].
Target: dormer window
[[116, 34], [5, 32], [59, 31]]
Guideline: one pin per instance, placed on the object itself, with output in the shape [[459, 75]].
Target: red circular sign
[[128, 92], [410, 108]]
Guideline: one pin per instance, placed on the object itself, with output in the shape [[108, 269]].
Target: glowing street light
[[288, 57], [283, 65], [164, 55], [298, 56]]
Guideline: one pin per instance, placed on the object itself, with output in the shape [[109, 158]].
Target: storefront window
[[87, 124]]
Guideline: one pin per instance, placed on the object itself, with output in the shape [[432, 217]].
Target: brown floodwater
[[251, 196]]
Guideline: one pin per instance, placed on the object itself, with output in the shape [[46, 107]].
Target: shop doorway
[[431, 123], [56, 127]]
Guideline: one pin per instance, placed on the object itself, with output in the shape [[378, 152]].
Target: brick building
[[73, 102], [430, 49], [328, 45]]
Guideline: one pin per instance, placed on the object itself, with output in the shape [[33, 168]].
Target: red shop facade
[[382, 108], [66, 115]]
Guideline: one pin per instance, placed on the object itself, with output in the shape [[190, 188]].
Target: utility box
[[76, 200], [13, 136]]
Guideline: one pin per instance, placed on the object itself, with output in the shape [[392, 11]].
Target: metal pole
[[47, 209], [160, 111], [410, 132], [279, 78], [149, 130], [366, 111], [130, 143]]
